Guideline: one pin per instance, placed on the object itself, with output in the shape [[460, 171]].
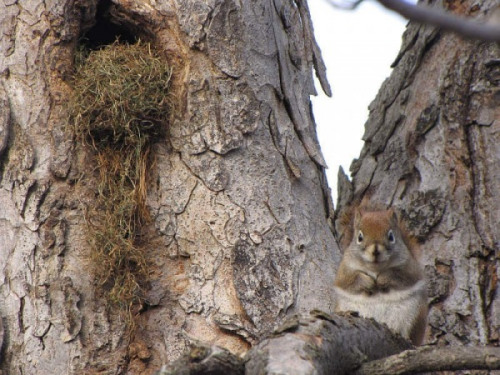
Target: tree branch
[[446, 21], [322, 344], [430, 358], [203, 360], [436, 17]]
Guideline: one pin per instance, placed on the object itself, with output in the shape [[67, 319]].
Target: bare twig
[[434, 359], [424, 14]]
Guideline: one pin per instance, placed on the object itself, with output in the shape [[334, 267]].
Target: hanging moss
[[119, 107]]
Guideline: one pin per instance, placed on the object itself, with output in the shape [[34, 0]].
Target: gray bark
[[429, 358], [203, 360], [432, 149], [305, 344], [240, 235], [321, 344]]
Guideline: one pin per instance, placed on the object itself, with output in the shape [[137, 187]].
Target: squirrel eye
[[360, 237], [390, 236]]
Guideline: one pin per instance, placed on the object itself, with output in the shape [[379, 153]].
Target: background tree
[[431, 149], [239, 234]]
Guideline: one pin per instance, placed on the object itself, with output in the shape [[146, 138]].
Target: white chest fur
[[398, 309]]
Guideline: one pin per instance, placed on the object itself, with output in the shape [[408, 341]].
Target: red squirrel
[[380, 277]]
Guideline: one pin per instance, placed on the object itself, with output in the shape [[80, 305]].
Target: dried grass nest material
[[120, 94], [119, 107]]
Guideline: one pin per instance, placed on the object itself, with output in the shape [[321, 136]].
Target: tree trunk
[[240, 232], [432, 149]]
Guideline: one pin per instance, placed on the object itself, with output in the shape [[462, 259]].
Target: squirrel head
[[377, 238]]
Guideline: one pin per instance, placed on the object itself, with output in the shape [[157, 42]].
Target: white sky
[[358, 47]]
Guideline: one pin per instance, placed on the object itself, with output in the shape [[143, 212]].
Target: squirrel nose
[[376, 251]]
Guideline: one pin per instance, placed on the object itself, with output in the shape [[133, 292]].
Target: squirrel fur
[[380, 277]]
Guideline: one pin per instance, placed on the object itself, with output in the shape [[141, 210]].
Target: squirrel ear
[[357, 216], [393, 215]]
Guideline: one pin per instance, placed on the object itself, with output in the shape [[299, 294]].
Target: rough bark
[[205, 360], [427, 358], [240, 188], [321, 344], [432, 149], [240, 233], [304, 344]]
